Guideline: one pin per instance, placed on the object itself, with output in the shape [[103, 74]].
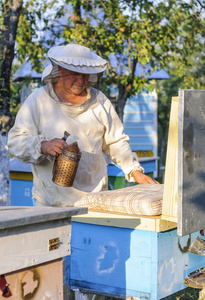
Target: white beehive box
[[33, 235], [33, 241]]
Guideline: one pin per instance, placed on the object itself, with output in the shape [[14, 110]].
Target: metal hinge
[[54, 244]]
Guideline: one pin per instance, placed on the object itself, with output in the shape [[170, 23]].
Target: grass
[[186, 294]]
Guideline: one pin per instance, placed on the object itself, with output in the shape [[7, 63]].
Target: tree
[[128, 33], [28, 15], [154, 33], [161, 34], [12, 11], [193, 77]]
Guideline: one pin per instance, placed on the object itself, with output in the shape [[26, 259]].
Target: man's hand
[[142, 178], [53, 147]]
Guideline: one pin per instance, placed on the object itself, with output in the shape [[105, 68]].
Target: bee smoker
[[66, 164]]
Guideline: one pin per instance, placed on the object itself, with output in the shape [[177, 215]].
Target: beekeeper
[[68, 102]]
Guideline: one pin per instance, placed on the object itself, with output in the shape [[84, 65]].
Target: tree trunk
[[162, 152], [12, 9], [4, 171], [77, 13], [121, 101], [124, 91]]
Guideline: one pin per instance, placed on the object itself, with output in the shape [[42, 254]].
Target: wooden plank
[[155, 224], [41, 282], [169, 209], [13, 216], [191, 177]]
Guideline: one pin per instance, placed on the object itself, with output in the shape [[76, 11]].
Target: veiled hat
[[75, 58]]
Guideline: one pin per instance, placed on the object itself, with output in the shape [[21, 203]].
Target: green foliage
[[164, 34], [158, 33], [149, 32], [190, 77], [14, 101], [36, 18]]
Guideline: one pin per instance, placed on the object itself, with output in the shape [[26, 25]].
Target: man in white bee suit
[[68, 102]]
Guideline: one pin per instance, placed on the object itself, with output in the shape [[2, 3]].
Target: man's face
[[73, 82]]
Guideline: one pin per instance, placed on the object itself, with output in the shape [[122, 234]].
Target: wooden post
[[169, 210]]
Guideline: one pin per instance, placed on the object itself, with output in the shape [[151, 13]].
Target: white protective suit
[[95, 126]]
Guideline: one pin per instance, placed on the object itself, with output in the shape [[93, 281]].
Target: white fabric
[[96, 127], [75, 58], [140, 199]]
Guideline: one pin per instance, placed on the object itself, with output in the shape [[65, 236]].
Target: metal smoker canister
[[66, 164]]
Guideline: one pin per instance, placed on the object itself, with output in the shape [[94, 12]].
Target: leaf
[[143, 61]]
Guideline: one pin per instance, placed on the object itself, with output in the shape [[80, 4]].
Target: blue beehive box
[[133, 256], [21, 183], [116, 177], [140, 123]]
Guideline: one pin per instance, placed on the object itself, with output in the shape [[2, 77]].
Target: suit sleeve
[[24, 140]]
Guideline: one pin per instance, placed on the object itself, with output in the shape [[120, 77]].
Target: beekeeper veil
[[75, 58]]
